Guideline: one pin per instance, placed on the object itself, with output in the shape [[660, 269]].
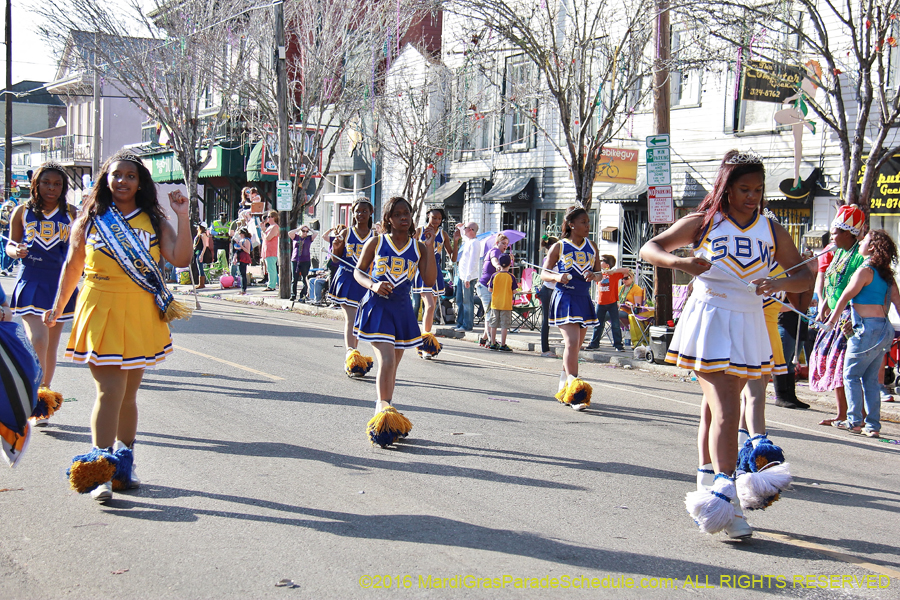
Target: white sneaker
[[103, 492], [739, 527], [578, 407]]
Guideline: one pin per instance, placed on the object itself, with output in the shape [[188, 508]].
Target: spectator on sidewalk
[[502, 285], [467, 273], [221, 237], [301, 261], [202, 256], [608, 303], [270, 249], [242, 256], [490, 267]]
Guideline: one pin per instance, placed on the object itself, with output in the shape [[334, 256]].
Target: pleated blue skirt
[[344, 289], [388, 319], [568, 309]]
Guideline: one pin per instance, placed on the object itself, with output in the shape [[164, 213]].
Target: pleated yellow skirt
[[118, 328]]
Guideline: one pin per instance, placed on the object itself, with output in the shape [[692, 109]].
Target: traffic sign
[[660, 140], [283, 195], [660, 207], [659, 167]]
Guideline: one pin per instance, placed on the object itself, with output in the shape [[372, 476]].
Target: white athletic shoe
[[103, 492], [578, 407], [739, 527]]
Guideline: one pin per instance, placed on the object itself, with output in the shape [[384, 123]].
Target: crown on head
[[52, 164], [745, 158], [128, 155], [849, 218]]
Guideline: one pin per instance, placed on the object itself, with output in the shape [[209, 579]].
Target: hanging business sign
[[770, 82], [617, 165], [885, 200]]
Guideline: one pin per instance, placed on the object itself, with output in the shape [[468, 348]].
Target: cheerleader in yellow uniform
[[121, 316]]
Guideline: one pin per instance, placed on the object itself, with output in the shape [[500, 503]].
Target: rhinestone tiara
[[126, 155], [52, 164], [745, 158]]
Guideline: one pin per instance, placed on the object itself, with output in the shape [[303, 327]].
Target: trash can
[[660, 338]]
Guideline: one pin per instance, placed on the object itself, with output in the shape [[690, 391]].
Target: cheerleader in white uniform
[[721, 334], [345, 290], [431, 294], [385, 317], [573, 261]]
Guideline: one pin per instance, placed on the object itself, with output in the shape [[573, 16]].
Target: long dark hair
[[729, 171], [100, 198], [389, 208], [883, 253], [35, 202], [573, 213]]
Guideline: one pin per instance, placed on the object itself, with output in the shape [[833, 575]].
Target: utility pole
[[284, 149], [662, 278], [7, 160], [95, 142]]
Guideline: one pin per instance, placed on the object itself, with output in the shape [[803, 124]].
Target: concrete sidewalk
[[521, 341]]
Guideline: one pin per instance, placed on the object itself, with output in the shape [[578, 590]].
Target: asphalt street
[[256, 469]]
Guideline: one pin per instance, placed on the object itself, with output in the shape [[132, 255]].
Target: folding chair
[[640, 321]]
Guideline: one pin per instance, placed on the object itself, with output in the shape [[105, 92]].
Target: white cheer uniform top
[[747, 252]]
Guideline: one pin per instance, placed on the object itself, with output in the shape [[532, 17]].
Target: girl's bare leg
[[428, 311], [45, 341], [115, 410], [350, 340], [388, 360], [723, 394]]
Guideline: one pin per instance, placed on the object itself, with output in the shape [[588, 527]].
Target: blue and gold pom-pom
[[48, 403], [387, 427], [357, 365], [121, 479], [92, 469], [430, 345], [758, 452], [578, 391]]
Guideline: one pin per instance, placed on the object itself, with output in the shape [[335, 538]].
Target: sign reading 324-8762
[[659, 169]]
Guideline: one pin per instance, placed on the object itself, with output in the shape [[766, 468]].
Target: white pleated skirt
[[710, 339]]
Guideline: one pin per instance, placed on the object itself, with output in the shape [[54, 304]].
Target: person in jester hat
[[122, 314], [345, 291], [385, 317], [39, 236]]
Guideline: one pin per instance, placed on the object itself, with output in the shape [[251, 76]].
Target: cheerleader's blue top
[[47, 237], [399, 266], [576, 261], [354, 245]]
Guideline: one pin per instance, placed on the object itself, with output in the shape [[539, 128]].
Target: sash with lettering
[[137, 262]]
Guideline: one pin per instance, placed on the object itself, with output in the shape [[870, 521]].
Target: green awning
[[224, 163], [254, 165]]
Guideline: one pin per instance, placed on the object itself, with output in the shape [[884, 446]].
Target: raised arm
[[17, 248], [787, 255], [176, 245], [427, 263]]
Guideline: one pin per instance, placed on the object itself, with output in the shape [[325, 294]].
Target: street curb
[[617, 360]]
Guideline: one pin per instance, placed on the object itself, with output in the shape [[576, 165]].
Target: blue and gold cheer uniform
[[437, 289], [391, 319], [47, 236], [571, 302], [345, 289]]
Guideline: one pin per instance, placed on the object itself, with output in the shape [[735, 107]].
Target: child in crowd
[[608, 303], [502, 286]]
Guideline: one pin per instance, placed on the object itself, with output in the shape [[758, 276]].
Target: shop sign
[[770, 82], [885, 199], [617, 165]]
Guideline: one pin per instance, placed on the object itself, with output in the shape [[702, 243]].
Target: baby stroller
[[445, 312]]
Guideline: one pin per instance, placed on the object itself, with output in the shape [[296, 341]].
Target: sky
[[33, 59]]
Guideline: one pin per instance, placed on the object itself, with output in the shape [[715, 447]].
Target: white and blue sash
[[137, 262]]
